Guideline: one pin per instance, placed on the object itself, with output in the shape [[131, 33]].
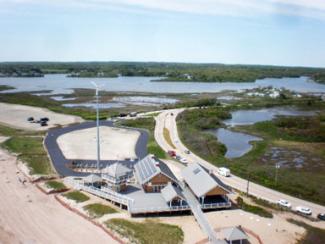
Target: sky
[[274, 32]]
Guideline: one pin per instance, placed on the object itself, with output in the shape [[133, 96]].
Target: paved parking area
[[60, 163]]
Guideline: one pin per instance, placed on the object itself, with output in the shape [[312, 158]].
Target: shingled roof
[[199, 180], [169, 192]]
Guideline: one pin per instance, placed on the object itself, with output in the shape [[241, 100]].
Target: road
[[165, 119]]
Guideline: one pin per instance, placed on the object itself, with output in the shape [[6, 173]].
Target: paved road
[[60, 163], [165, 119]]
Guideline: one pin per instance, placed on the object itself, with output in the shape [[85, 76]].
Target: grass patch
[[8, 131], [313, 235], [253, 209], [148, 232], [76, 196], [168, 138], [55, 185], [149, 125], [267, 204], [31, 151], [98, 210]]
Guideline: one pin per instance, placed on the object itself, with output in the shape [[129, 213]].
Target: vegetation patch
[[313, 235], [253, 209], [55, 185], [97, 210], [149, 125], [76, 196], [148, 232], [55, 106], [296, 143], [168, 138], [31, 151], [192, 125], [4, 87], [301, 129]]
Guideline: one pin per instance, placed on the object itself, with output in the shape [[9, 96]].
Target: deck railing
[[216, 205], [158, 209], [103, 192]]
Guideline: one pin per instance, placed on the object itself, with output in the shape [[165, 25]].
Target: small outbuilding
[[234, 235], [153, 174]]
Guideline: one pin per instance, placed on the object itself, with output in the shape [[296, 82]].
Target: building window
[[157, 188]]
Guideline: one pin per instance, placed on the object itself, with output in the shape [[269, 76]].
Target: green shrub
[[148, 232], [55, 185], [253, 209], [76, 196], [98, 210]]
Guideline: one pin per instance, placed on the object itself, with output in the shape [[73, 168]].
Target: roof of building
[[149, 167], [198, 179], [233, 234], [116, 170], [92, 178], [169, 192]]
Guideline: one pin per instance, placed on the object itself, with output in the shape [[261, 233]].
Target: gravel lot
[[16, 116]]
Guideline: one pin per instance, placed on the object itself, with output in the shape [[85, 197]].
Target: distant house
[[153, 174], [116, 176], [203, 185]]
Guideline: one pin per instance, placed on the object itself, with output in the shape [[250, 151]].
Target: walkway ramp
[[200, 217]]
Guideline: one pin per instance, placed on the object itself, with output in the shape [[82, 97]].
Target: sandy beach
[[30, 216]]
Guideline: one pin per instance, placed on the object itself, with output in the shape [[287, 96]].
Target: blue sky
[[215, 31]]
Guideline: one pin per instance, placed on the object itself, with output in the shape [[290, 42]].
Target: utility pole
[[97, 124], [277, 167], [247, 187]]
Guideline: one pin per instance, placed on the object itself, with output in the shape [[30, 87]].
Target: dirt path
[[29, 216]]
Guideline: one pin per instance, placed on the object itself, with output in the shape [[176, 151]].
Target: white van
[[224, 171]]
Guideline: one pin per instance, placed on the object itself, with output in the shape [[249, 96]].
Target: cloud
[[247, 8]]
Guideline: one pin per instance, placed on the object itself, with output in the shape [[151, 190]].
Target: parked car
[[284, 203], [172, 153], [224, 171], [184, 161], [321, 216], [30, 119], [187, 151], [45, 119], [133, 114], [43, 123], [123, 114], [178, 157], [303, 210]]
